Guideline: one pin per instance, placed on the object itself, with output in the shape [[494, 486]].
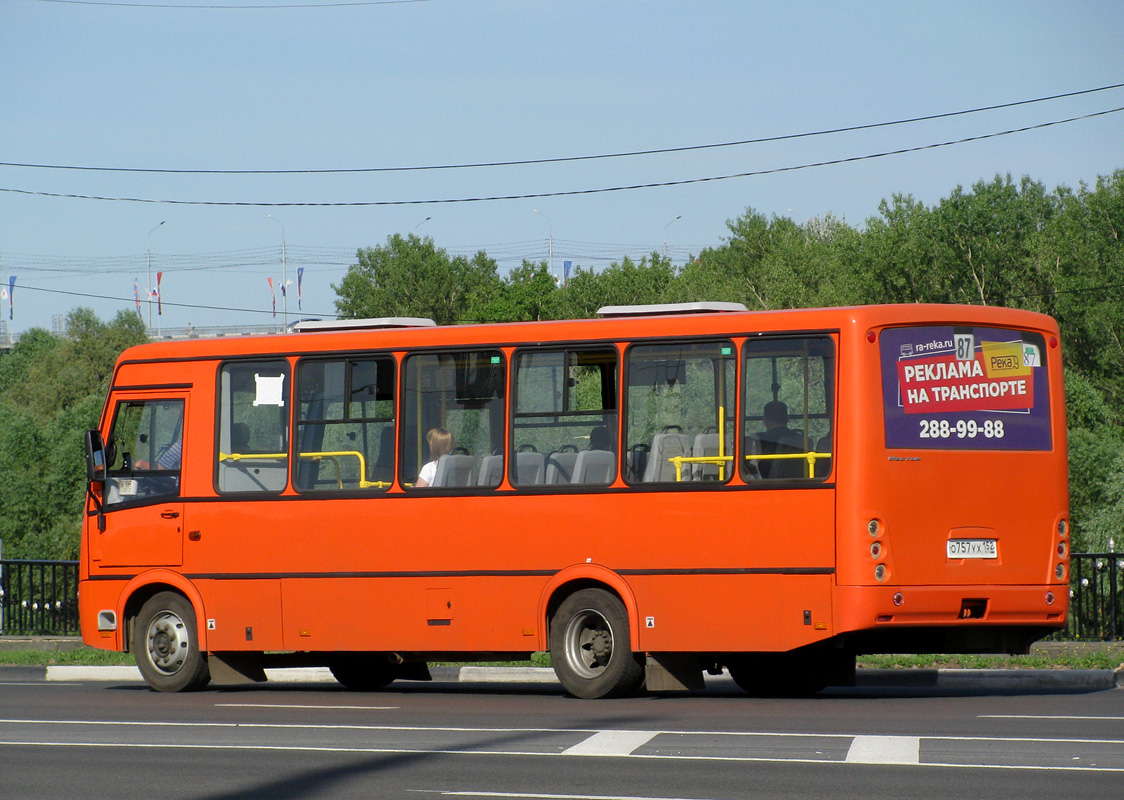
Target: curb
[[960, 679]]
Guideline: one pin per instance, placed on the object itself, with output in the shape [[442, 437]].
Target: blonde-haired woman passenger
[[441, 442]]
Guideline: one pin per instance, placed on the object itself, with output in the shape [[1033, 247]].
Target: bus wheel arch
[[590, 634]]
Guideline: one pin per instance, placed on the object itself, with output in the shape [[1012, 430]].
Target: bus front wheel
[[166, 645], [589, 645]]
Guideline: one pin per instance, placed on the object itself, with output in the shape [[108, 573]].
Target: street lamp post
[[284, 277], [549, 241], [665, 227], [148, 287]]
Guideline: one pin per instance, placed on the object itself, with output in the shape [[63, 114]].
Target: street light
[[665, 227], [427, 219], [549, 241], [284, 277], [148, 288]]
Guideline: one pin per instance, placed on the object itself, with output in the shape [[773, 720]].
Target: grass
[[1092, 658]]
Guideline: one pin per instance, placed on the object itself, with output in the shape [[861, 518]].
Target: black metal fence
[[1096, 598], [40, 598]]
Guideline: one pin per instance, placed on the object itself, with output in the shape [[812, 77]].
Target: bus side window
[[454, 401], [146, 446], [788, 405], [564, 430], [253, 446], [680, 412], [345, 424]]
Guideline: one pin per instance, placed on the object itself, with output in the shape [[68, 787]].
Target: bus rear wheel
[[589, 644], [775, 675], [166, 645]]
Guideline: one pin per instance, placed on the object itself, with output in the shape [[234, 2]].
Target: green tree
[[409, 276], [52, 389]]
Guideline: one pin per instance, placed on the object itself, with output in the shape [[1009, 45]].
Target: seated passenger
[[440, 442], [777, 439]]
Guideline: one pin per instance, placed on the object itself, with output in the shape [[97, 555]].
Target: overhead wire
[[568, 159], [571, 192]]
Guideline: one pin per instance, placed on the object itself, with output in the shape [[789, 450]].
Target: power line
[[562, 159], [571, 192]]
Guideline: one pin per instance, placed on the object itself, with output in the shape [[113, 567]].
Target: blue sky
[[323, 85]]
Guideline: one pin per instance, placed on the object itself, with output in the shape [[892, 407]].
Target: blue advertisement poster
[[965, 388]]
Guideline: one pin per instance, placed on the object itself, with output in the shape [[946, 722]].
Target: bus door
[[144, 511]]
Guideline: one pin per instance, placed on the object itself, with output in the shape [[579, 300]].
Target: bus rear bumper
[[949, 619]]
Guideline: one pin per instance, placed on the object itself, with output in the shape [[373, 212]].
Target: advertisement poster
[[965, 388]]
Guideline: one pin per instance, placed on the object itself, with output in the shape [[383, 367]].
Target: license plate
[[972, 548]]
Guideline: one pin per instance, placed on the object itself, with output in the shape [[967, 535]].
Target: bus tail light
[[1049, 598], [1059, 572], [898, 598], [880, 572], [875, 549]]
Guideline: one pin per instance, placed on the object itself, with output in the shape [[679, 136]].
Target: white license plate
[[972, 548]]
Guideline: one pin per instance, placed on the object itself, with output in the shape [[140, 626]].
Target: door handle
[[169, 514]]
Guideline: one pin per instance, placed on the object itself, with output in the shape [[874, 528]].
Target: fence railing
[[40, 598], [1096, 597]]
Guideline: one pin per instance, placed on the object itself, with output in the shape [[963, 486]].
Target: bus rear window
[[965, 388]]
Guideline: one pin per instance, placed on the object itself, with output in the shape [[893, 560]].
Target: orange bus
[[648, 496]]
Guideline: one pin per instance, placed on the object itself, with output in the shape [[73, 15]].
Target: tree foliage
[[51, 390]]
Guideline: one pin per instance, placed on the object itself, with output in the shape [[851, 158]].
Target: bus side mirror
[[95, 457]]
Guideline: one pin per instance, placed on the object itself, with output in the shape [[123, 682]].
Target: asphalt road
[[120, 740]]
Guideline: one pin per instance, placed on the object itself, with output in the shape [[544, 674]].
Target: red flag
[[273, 296], [159, 301]]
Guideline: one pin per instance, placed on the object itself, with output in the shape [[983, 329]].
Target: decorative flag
[[300, 276], [11, 295], [136, 294], [159, 303], [273, 295], [566, 265]]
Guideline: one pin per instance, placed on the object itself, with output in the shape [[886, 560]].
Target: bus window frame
[[401, 483], [831, 391], [616, 375], [348, 358], [734, 341], [289, 396]]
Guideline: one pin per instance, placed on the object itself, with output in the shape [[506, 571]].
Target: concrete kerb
[[997, 679]]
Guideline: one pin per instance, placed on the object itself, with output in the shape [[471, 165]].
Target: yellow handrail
[[317, 456], [810, 457]]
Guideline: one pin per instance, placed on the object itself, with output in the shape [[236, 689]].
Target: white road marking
[[538, 796], [1047, 716], [885, 750], [294, 705], [611, 743]]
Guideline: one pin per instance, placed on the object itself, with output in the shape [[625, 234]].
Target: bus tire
[[776, 676], [166, 645], [363, 672], [589, 645]]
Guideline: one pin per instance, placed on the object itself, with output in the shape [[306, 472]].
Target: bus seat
[[454, 469], [383, 468], [668, 444], [594, 466], [706, 446], [636, 461], [530, 468], [560, 466], [491, 471]]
